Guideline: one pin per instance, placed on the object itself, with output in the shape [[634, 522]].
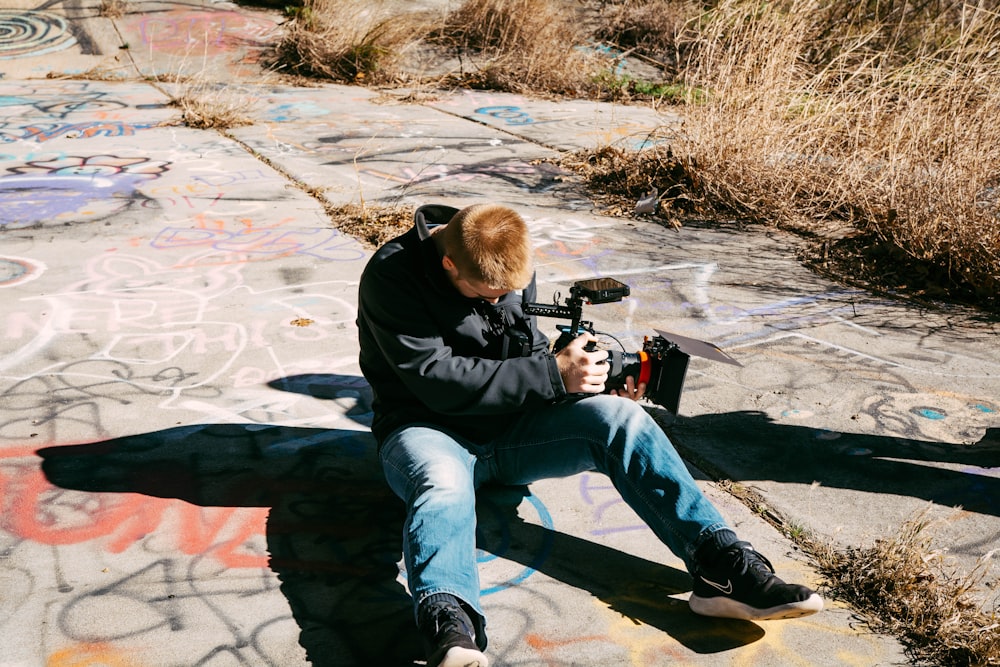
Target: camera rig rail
[[661, 363], [594, 291]]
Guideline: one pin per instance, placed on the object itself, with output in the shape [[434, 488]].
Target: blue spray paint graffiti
[[72, 189], [18, 270], [32, 33], [508, 114]]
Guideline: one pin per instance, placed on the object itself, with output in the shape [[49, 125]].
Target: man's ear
[[448, 265]]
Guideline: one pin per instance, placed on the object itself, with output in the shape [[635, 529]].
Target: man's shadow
[[333, 532], [334, 528], [749, 445]]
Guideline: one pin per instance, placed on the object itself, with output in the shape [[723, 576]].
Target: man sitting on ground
[[467, 392]]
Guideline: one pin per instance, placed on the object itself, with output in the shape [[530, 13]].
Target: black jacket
[[432, 355]]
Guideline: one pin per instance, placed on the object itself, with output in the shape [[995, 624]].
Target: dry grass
[[872, 119], [655, 29], [619, 177], [908, 588], [511, 45], [206, 105], [521, 46], [904, 586], [373, 225], [349, 40], [885, 130], [113, 9]]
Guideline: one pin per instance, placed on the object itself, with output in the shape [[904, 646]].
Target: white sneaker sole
[[724, 607], [458, 656]]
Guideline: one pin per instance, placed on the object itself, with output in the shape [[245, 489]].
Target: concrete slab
[[186, 472], [202, 327], [567, 126], [171, 39], [36, 113], [373, 147], [842, 400]]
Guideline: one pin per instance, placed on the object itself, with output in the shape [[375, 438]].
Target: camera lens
[[627, 364]]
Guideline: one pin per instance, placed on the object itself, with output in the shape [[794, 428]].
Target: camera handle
[[568, 333]]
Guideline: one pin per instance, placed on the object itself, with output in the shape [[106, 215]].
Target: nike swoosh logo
[[727, 589]]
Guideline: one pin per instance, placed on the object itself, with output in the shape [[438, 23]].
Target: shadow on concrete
[[334, 528], [749, 445], [635, 587], [334, 533]]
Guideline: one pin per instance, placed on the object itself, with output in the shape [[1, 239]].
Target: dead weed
[[618, 178], [214, 106], [373, 225], [113, 9], [520, 46], [348, 40], [908, 588]]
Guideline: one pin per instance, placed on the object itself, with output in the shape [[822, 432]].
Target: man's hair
[[490, 244]]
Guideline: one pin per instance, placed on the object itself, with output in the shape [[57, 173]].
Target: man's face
[[470, 288]]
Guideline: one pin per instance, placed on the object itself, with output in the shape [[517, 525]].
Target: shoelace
[[746, 559], [447, 615]]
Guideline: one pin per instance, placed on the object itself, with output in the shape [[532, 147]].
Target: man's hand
[[582, 371], [630, 390]]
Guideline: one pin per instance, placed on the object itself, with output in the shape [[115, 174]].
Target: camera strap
[[515, 341]]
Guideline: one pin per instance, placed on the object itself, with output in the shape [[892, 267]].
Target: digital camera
[[661, 363]]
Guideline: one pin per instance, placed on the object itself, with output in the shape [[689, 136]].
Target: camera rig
[[661, 363]]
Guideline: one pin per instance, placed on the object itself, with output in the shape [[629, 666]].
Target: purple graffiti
[[72, 189]]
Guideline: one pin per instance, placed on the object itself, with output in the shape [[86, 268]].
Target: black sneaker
[[740, 583], [448, 633]]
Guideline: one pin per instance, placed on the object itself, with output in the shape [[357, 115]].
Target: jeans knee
[[444, 483], [630, 430], [619, 413]]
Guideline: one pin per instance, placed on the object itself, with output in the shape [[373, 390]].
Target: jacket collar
[[424, 219]]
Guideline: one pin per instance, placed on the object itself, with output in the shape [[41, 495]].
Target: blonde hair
[[490, 244]]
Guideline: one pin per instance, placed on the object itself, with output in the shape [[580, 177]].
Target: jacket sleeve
[[413, 345]]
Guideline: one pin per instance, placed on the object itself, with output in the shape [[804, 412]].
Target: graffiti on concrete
[[42, 132], [73, 189], [43, 113], [32, 33], [66, 104], [18, 270], [265, 244], [531, 178], [184, 32], [186, 472]]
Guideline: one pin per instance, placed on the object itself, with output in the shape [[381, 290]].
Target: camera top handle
[[595, 290]]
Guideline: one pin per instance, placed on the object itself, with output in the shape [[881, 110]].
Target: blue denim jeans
[[436, 474]]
